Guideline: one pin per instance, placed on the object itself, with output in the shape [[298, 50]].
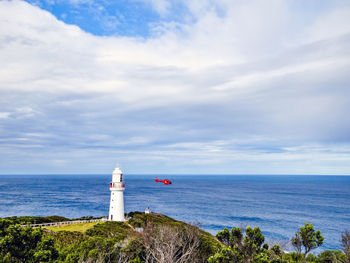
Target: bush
[[25, 244]]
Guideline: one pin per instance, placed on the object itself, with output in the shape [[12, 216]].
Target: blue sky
[[105, 18], [160, 86]]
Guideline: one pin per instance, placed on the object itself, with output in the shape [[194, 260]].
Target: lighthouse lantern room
[[117, 187]]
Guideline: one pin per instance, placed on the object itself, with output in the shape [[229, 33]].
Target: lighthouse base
[[116, 209]]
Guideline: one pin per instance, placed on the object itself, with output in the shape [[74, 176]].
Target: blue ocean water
[[279, 205]]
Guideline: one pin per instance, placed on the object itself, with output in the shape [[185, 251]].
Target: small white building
[[117, 187]]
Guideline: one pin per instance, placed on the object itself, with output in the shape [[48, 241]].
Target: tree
[[224, 236], [240, 248], [307, 238], [276, 253], [25, 244], [45, 250], [226, 255], [236, 237], [253, 242], [330, 256], [171, 244], [297, 242]]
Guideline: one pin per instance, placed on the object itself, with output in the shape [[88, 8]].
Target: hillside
[[153, 238], [143, 238]]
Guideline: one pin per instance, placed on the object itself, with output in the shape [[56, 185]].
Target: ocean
[[279, 205]]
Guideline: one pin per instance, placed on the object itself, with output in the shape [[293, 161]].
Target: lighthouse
[[117, 187]]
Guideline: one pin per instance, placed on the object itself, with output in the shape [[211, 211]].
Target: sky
[[175, 87]]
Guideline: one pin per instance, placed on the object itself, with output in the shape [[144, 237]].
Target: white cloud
[[224, 88], [333, 24], [4, 115]]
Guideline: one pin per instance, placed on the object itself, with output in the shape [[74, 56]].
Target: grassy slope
[[137, 219], [76, 227]]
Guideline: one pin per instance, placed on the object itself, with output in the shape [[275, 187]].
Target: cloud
[[334, 23], [160, 6], [4, 115], [225, 90]]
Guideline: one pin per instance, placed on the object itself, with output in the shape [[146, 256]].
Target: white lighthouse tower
[[117, 187]]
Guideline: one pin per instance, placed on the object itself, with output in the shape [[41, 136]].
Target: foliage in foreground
[[248, 246], [25, 244], [157, 238]]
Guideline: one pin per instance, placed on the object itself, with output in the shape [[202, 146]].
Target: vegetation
[[154, 238], [240, 248], [307, 238], [25, 244], [248, 246], [24, 220]]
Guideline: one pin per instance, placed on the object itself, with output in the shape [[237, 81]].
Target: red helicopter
[[166, 181]]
